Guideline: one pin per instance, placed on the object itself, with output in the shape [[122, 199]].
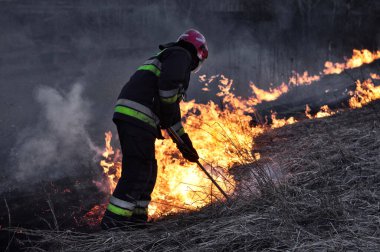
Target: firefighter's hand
[[187, 149]]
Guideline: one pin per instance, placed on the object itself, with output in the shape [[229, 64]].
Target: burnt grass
[[322, 194]]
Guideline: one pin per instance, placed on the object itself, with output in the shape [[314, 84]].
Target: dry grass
[[329, 199]]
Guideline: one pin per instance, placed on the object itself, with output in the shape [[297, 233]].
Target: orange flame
[[223, 137], [375, 76], [324, 111], [271, 95], [303, 79], [358, 58], [111, 164], [365, 93], [278, 123]]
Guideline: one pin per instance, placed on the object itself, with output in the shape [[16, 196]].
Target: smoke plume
[[59, 144]]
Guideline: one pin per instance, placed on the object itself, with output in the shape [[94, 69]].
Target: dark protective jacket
[[150, 99]]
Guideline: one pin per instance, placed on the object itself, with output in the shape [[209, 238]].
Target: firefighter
[[148, 103]]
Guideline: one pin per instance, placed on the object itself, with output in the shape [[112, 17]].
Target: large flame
[[223, 136]]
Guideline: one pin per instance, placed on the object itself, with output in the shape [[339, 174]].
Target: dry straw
[[316, 188]]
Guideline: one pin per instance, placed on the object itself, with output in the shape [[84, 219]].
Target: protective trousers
[[130, 200]]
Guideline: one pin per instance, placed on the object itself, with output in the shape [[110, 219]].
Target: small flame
[[303, 79], [111, 165], [324, 111], [278, 123], [207, 81], [95, 215], [365, 93], [375, 76], [271, 95]]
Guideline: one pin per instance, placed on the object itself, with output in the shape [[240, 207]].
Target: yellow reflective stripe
[[138, 107], [119, 211], [178, 128], [154, 62], [169, 96], [151, 68], [172, 99], [135, 114], [121, 203]]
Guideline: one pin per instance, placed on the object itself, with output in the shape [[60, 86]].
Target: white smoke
[[58, 145]]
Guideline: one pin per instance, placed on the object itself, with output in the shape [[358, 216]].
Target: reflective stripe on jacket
[[138, 111], [153, 92]]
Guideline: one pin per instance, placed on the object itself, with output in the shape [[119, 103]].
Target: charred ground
[[328, 198]]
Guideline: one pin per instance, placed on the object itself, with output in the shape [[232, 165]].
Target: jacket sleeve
[[174, 71], [177, 124]]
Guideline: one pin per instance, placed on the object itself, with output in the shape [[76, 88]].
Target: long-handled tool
[[177, 139]]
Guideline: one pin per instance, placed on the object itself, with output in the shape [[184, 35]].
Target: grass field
[[315, 188]]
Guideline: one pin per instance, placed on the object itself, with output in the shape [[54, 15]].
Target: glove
[[187, 149]]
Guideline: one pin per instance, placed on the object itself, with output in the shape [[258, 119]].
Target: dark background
[[48, 46]]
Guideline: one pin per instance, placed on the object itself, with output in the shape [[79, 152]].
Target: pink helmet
[[196, 38]]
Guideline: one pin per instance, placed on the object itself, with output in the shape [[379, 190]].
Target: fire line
[[223, 138]]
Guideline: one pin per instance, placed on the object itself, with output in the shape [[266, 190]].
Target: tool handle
[[212, 180], [177, 139]]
